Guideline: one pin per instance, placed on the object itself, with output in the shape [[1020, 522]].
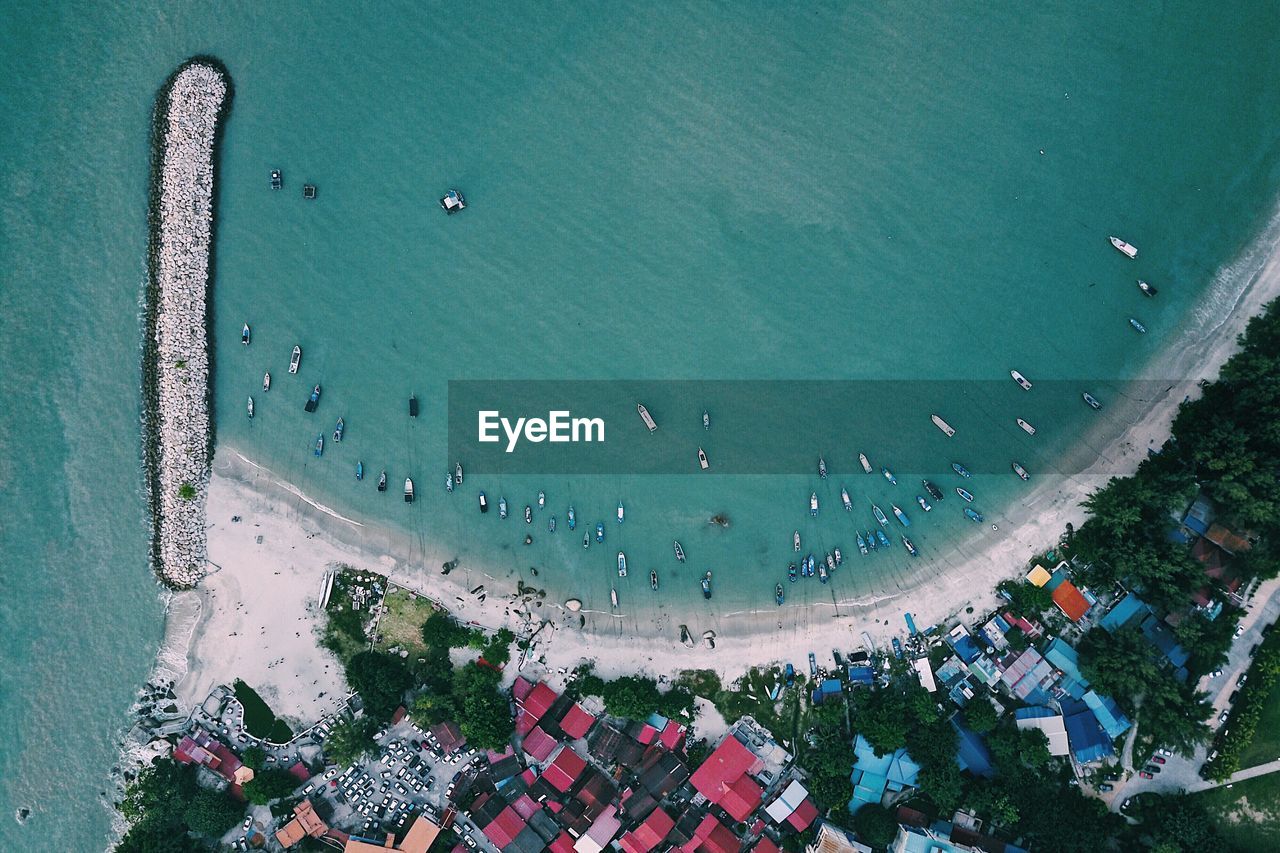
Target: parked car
[[1215, 673], [1222, 718], [1158, 759], [1244, 676], [1253, 650], [1239, 630], [380, 735], [1106, 787], [248, 822], [1168, 753], [1235, 694], [1145, 775]]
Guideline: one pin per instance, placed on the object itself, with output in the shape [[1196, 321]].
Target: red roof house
[[503, 829], [576, 722], [712, 836], [564, 770], [539, 744], [649, 834], [766, 846], [723, 778], [538, 701], [672, 736], [742, 798], [1070, 601], [804, 815]]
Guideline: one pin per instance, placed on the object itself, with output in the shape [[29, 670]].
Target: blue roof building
[[964, 645], [1162, 638], [971, 750], [873, 774], [1199, 515], [1124, 610], [863, 675], [1107, 713], [1088, 741], [1062, 657]]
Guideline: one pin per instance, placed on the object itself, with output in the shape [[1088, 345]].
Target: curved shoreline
[[178, 432]]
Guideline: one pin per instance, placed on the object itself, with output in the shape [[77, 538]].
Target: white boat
[[1020, 471], [844, 497], [1124, 247], [947, 429], [706, 419], [266, 381], [679, 550], [408, 490], [866, 463], [1020, 379], [250, 407], [622, 565], [244, 335], [822, 468], [457, 474], [795, 540], [813, 504], [1026, 427], [621, 512], [702, 459], [647, 418], [542, 499], [502, 507], [613, 598], [295, 359]]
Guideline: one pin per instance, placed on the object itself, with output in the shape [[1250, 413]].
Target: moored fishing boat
[[313, 401], [778, 596], [880, 516], [924, 504], [823, 575], [448, 482], [1137, 326], [613, 598], [706, 584], [791, 572], [675, 543], [244, 335], [408, 490], [911, 549], [653, 579], [266, 381], [1020, 379], [599, 531], [706, 419], [528, 514], [844, 497], [933, 490], [864, 462], [382, 481], [1147, 290], [964, 493], [338, 429], [888, 475], [1026, 427], [702, 459], [884, 540], [319, 445], [795, 540], [647, 418], [1123, 247], [1020, 471], [622, 565], [573, 518], [900, 515], [961, 470], [947, 429], [250, 407], [871, 540], [835, 552], [822, 468], [542, 499], [551, 524], [413, 406], [809, 563], [295, 359], [457, 474], [277, 179], [862, 543], [359, 470], [813, 504], [1091, 400], [484, 503], [975, 517], [586, 540], [830, 561], [502, 507], [621, 512], [452, 202]]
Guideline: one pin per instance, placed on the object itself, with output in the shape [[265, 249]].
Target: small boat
[[613, 598], [823, 575], [831, 562], [706, 420], [1123, 247], [933, 490], [795, 540], [897, 648], [808, 566], [879, 514], [947, 429], [408, 490], [599, 531], [277, 179], [250, 407], [888, 475], [266, 381], [452, 202], [1091, 400], [502, 507], [382, 481], [813, 504], [822, 468], [295, 359], [679, 551], [359, 470], [790, 675], [791, 572], [871, 540], [314, 400], [884, 540], [964, 493], [813, 666], [621, 512], [622, 565], [647, 418], [975, 517], [309, 191], [961, 470], [1026, 427], [866, 463], [653, 579], [551, 524], [778, 596], [1138, 326], [542, 499], [706, 585], [844, 498], [1147, 290], [702, 459], [862, 543], [244, 335], [413, 406], [586, 540], [924, 504], [1020, 379], [528, 514], [457, 474], [448, 482], [484, 503], [911, 549], [319, 445], [1020, 471], [337, 429], [838, 557], [900, 515], [573, 518]]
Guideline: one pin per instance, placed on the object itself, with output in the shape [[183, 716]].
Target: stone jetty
[[177, 352]]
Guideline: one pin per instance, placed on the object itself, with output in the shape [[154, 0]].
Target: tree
[[255, 757], [829, 765], [441, 631], [980, 715], [149, 836], [351, 740], [875, 825], [212, 813], [381, 681], [159, 794], [1026, 598], [632, 696], [484, 714], [880, 717], [498, 649], [942, 783], [270, 784]]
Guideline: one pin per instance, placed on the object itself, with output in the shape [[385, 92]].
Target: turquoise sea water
[[685, 191]]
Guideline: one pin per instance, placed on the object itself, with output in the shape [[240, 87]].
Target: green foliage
[[351, 740], [270, 784], [636, 697], [164, 802], [1207, 640], [344, 632], [829, 764], [441, 631], [483, 712], [160, 794], [1248, 710], [880, 717], [149, 836], [187, 492], [980, 715], [941, 782], [212, 813], [497, 651], [381, 681], [259, 720], [254, 757], [1180, 824], [876, 825], [1025, 598]]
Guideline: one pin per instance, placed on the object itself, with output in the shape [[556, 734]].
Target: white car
[[380, 735], [1239, 630]]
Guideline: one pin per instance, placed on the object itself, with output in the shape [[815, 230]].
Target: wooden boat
[[250, 407], [613, 598], [413, 406], [964, 493], [932, 490], [551, 524], [1091, 400], [865, 462], [947, 429], [528, 514], [319, 445], [448, 482], [961, 470], [778, 596], [1020, 379], [822, 468], [1026, 427], [1020, 471], [573, 518], [844, 498], [888, 475], [309, 192], [900, 515], [706, 419], [679, 550], [295, 359], [813, 504], [924, 504], [706, 585], [880, 516], [911, 549], [646, 417], [973, 515], [621, 512], [1123, 247], [653, 579], [1138, 327], [266, 381], [502, 507], [382, 481], [1147, 290], [586, 540], [338, 428], [702, 459], [277, 179], [795, 539], [542, 499], [408, 490]]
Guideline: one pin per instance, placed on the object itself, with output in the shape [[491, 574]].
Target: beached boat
[[295, 359], [1020, 471], [621, 512], [947, 429], [599, 531], [1020, 379], [502, 507], [823, 574], [448, 481], [528, 514], [1141, 329], [551, 524], [1122, 246], [706, 585], [1091, 400], [452, 202], [314, 400], [778, 596], [613, 598], [647, 418], [542, 499], [900, 515], [457, 473], [586, 540], [879, 514], [675, 543], [249, 407], [813, 666], [319, 445], [911, 549], [266, 381], [484, 503], [359, 470], [795, 539], [1026, 427], [408, 490], [791, 572], [653, 579], [862, 543], [706, 419], [961, 470], [888, 475], [702, 459], [622, 565], [573, 518], [864, 462], [413, 406], [973, 516], [382, 481], [884, 540], [934, 491], [1147, 290], [244, 335], [844, 498], [964, 493], [871, 540], [839, 557], [924, 504], [277, 179], [813, 504], [338, 428], [822, 468]]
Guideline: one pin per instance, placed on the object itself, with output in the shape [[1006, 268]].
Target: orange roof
[[360, 845], [305, 815], [420, 837], [1226, 540], [290, 834], [1039, 576], [1070, 601]]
